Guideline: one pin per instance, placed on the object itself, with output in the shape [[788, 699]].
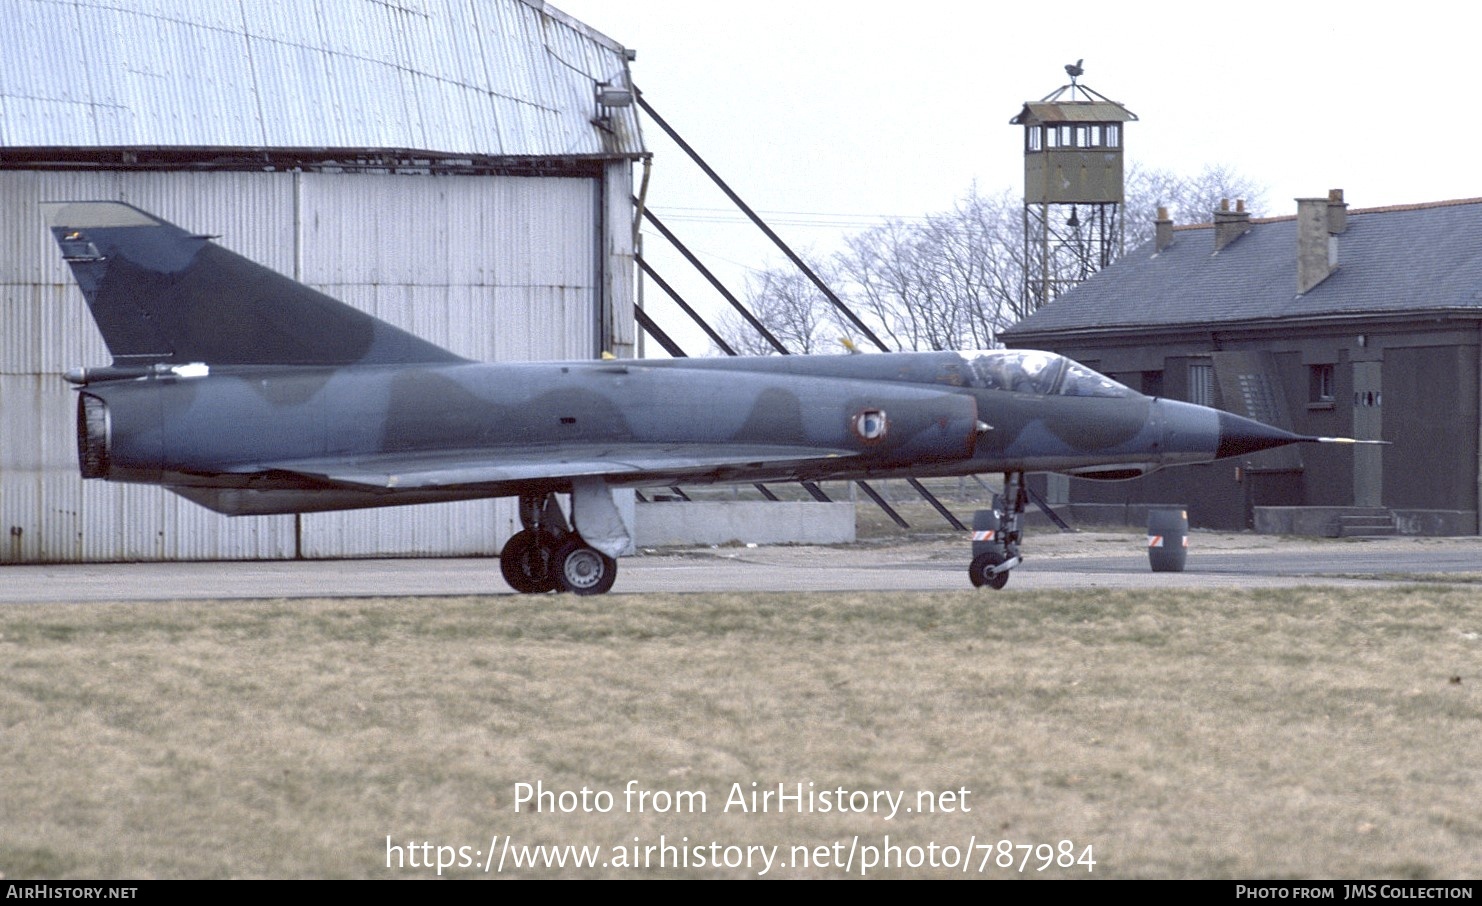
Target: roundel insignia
[[870, 425]]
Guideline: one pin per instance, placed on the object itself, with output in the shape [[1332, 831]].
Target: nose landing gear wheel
[[981, 572], [582, 570]]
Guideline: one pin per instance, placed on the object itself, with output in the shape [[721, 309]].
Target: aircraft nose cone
[[1240, 435]]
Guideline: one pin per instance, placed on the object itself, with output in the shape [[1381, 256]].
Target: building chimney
[[1163, 237], [1337, 212], [1230, 225], [1317, 245]]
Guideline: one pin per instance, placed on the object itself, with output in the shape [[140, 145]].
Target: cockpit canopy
[[1032, 371]]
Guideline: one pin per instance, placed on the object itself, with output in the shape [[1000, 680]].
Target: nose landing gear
[[997, 533]]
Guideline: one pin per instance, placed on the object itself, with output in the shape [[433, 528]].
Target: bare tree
[[979, 254], [949, 282], [790, 306], [885, 283], [956, 278], [1190, 199]]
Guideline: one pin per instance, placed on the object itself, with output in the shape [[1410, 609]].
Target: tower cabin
[[1072, 187], [1073, 148]]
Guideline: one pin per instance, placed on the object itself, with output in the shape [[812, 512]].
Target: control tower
[[1073, 193]]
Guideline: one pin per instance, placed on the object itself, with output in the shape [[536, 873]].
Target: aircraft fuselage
[[878, 415]]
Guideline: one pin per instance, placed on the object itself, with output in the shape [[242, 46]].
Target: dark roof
[[1039, 112], [1413, 258]]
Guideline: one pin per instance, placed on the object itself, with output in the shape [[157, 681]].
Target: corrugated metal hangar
[[460, 169]]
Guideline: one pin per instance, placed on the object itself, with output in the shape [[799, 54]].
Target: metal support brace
[[880, 502], [715, 282], [694, 315], [930, 498], [1044, 507]]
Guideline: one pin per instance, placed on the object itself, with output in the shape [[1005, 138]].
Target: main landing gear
[[997, 533], [548, 555]]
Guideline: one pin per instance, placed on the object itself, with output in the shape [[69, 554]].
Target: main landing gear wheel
[[528, 562], [981, 572], [582, 570]]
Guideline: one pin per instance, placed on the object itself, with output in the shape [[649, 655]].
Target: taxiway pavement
[[1079, 560]]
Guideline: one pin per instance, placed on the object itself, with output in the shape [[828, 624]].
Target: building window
[[1320, 384], [1201, 383]]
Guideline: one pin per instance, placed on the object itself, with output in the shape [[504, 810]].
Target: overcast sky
[[830, 116]]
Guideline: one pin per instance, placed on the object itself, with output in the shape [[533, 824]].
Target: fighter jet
[[250, 393]]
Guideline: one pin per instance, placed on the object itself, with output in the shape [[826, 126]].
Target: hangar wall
[[493, 267]]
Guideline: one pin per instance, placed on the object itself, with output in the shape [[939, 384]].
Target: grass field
[[1291, 734]]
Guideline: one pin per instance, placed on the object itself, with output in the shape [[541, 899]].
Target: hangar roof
[[492, 78], [1390, 261]]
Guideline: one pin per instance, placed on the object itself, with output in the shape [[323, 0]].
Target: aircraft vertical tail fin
[[162, 295]]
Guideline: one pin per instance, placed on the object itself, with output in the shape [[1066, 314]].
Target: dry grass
[[1301, 733]]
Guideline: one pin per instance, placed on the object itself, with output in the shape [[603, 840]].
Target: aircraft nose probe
[[1240, 435]]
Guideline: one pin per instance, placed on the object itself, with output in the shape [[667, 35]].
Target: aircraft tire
[[979, 572], [582, 569], [528, 562]]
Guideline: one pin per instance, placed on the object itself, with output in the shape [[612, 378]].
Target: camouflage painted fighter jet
[[249, 393]]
